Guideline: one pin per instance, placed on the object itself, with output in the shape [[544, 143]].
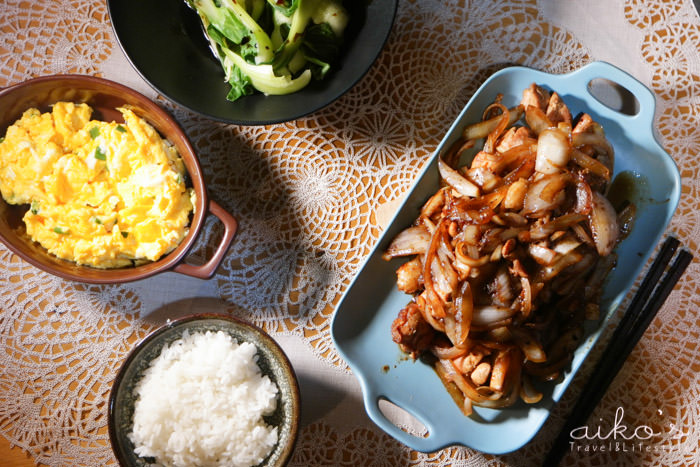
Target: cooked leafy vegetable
[[272, 46]]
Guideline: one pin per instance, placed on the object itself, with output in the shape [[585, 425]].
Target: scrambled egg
[[100, 194]]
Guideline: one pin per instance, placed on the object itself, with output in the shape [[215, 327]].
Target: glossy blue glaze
[[362, 320]]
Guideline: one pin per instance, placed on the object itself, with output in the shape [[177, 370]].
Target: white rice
[[201, 403]]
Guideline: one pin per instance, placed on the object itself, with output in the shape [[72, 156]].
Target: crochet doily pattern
[[311, 197]]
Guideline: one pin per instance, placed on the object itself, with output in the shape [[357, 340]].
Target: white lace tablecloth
[[311, 197]]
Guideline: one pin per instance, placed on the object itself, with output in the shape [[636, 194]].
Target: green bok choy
[[272, 46]]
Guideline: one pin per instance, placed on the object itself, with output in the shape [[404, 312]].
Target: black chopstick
[[640, 313]]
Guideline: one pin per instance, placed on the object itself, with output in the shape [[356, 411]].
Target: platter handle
[[431, 442], [603, 70]]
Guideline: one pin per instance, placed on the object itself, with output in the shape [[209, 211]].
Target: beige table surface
[[312, 197]]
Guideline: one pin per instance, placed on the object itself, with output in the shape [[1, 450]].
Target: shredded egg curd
[[100, 194]]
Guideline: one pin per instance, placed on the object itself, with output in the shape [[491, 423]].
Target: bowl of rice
[[205, 390]]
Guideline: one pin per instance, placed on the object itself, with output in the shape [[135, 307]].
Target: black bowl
[[163, 40]]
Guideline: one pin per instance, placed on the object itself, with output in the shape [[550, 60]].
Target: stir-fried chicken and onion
[[509, 255]]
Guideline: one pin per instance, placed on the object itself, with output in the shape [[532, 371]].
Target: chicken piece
[[484, 178], [515, 196], [513, 137], [434, 204], [481, 373], [470, 361], [410, 330], [485, 160], [557, 111], [584, 125], [499, 371], [409, 277], [535, 96]]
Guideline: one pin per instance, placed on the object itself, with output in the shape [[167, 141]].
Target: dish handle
[[206, 270], [431, 442], [644, 95]]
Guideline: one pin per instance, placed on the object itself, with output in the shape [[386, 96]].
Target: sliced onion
[[596, 139], [582, 234], [541, 254], [603, 224], [457, 181], [516, 155], [545, 194], [449, 373], [587, 162], [444, 275], [453, 154], [525, 170], [464, 310], [434, 204], [431, 294], [526, 297], [483, 128], [529, 345], [500, 334], [542, 231], [528, 393], [562, 262], [485, 315], [625, 219], [449, 353], [462, 257], [553, 189], [411, 241], [502, 288], [566, 244], [537, 120], [482, 177], [512, 219], [553, 150], [490, 144], [471, 234], [547, 371]]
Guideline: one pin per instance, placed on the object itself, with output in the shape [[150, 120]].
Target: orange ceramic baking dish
[[104, 97]]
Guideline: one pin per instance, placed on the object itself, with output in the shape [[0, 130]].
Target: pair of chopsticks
[[650, 296]]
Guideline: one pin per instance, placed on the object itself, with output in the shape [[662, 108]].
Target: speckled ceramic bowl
[[271, 359]]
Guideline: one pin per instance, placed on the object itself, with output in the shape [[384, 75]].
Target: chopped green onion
[[125, 234], [94, 132], [34, 207], [60, 230], [99, 154], [121, 129], [2, 138], [97, 220], [178, 179]]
